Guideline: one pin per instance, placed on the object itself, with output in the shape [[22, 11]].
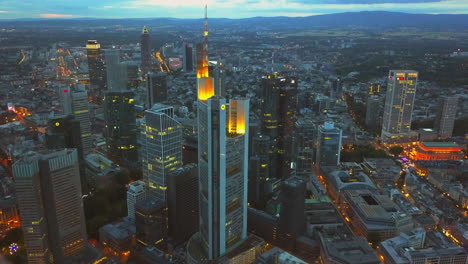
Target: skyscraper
[[75, 102], [96, 69], [49, 197], [398, 107], [156, 85], [373, 110], [116, 71], [279, 100], [188, 58], [328, 145], [222, 168], [145, 50], [259, 170], [135, 193], [120, 128], [162, 148], [64, 132], [292, 216], [446, 115]]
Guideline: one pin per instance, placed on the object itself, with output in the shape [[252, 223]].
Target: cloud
[[3, 11], [55, 15]]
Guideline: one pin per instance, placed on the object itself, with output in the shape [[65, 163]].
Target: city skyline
[[243, 8]]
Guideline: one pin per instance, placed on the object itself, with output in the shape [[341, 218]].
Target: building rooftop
[[352, 250]]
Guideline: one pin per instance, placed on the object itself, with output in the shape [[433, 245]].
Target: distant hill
[[367, 19]]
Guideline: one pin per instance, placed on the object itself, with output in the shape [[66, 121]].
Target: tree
[[396, 150]]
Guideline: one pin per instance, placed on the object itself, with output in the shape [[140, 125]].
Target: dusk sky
[[217, 8]]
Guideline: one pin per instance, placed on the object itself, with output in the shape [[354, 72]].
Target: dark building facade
[[292, 215], [150, 221], [182, 203], [145, 50], [156, 84], [64, 132], [279, 102], [120, 128]]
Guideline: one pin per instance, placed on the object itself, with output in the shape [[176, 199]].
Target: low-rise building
[[437, 151]]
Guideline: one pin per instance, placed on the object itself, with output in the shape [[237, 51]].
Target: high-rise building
[[116, 71], [135, 193], [222, 169], [328, 145], [182, 202], [64, 132], [156, 85], [373, 117], [97, 70], [188, 58], [218, 73], [120, 128], [292, 216], [75, 102], [446, 115], [259, 171], [305, 146], [162, 148], [151, 221], [398, 109], [279, 100], [48, 189], [145, 50]]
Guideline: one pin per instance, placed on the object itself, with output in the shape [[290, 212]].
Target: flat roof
[[440, 144]]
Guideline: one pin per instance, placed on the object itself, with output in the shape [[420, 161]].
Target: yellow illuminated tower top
[[205, 83], [145, 30]]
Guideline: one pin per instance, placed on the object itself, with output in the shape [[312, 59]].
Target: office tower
[[305, 146], [64, 132], [292, 216], [398, 107], [279, 100], [96, 69], [182, 202], [49, 198], [446, 115], [135, 193], [188, 58], [145, 50], [75, 102], [162, 148], [259, 170], [222, 168], [373, 112], [151, 221], [120, 128], [328, 145], [116, 71], [156, 85]]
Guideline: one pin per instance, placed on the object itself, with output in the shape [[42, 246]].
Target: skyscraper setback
[[145, 50], [398, 107], [162, 148], [222, 168]]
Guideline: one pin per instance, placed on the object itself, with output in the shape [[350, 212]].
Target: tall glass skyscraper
[[162, 148], [398, 109], [96, 69], [222, 168]]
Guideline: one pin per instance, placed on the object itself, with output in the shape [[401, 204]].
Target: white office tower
[[161, 148], [329, 140], [135, 193], [75, 102], [398, 109]]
